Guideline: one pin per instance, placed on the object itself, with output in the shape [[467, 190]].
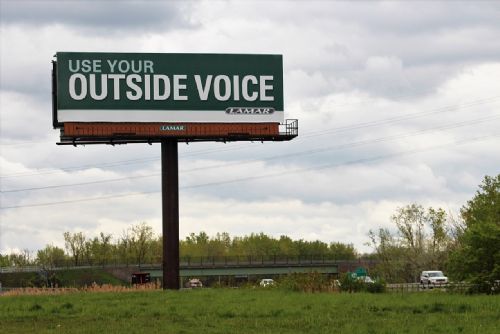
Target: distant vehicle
[[266, 282], [432, 278], [365, 279], [494, 288], [194, 283], [141, 278]]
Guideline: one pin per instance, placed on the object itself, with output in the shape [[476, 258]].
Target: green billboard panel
[[169, 87]]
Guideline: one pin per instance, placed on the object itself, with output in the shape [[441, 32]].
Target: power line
[[399, 118], [26, 142], [300, 153], [326, 166], [81, 183], [256, 177], [80, 200], [304, 136], [393, 97]]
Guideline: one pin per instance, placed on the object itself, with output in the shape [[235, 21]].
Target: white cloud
[[97, 16], [354, 72]]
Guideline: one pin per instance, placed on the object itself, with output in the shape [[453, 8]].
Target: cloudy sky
[[398, 102]]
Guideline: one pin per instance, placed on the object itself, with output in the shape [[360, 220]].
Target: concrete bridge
[[239, 266], [258, 266]]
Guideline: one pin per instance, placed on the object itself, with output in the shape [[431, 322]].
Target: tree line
[[139, 245]]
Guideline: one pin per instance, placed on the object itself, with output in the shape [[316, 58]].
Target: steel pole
[[170, 213]]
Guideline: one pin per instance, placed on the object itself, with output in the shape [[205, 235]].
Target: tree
[[75, 245], [124, 247], [89, 248], [477, 257], [342, 251], [440, 242], [102, 248], [422, 240], [50, 257], [389, 255], [141, 241], [410, 221], [157, 250], [287, 246], [4, 261], [21, 259], [195, 245]]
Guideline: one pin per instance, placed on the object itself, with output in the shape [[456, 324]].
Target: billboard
[[168, 87]]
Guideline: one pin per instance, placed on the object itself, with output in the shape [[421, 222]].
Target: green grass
[[17, 279], [81, 277], [67, 278], [249, 311]]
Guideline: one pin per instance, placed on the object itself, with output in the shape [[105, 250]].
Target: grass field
[[249, 311], [67, 278]]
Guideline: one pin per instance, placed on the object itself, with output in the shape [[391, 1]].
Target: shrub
[[348, 284], [376, 287], [310, 282]]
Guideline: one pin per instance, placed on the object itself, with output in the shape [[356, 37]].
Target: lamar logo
[[172, 128], [249, 111]]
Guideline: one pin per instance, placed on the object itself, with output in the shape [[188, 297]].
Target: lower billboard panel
[[158, 130], [83, 133]]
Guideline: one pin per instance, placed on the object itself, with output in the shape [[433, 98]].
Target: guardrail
[[459, 287], [28, 269], [265, 260], [212, 261]]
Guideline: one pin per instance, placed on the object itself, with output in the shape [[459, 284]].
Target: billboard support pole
[[170, 213]]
